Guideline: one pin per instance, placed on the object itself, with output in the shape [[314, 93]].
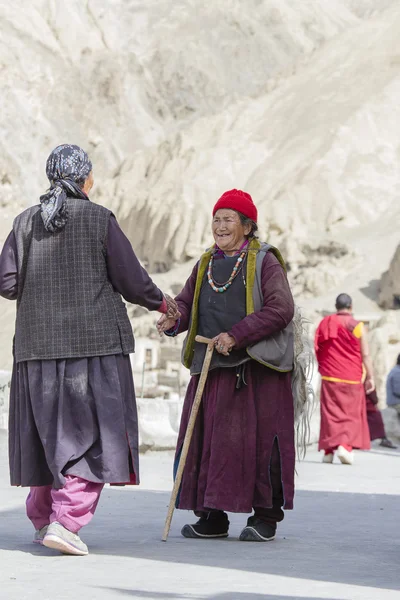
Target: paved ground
[[342, 542]]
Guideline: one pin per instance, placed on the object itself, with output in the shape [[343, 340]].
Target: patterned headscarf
[[67, 169]]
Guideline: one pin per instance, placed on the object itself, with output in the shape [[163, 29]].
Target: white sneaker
[[345, 457], [60, 538], [39, 535], [328, 458]]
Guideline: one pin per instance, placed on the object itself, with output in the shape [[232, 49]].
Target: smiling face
[[228, 231]]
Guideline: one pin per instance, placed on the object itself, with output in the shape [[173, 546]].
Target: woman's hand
[[172, 308], [164, 323], [224, 343]]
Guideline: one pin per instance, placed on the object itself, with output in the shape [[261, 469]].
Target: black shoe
[[257, 531], [212, 526], [387, 444]]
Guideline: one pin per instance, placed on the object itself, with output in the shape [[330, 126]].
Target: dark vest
[[275, 351], [219, 313], [66, 305]]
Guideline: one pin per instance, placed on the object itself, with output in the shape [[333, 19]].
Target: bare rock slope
[[178, 101], [389, 288]]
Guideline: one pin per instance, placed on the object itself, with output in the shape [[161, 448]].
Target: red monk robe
[[343, 409]]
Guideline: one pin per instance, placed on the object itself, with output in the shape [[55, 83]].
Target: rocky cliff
[[298, 103], [389, 288]]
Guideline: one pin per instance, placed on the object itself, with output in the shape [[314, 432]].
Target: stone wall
[[158, 423]]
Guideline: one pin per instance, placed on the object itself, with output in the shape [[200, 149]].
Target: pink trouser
[[73, 505]]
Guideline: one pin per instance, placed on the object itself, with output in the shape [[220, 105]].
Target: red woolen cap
[[237, 200]]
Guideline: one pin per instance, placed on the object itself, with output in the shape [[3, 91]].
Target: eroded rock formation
[[178, 101]]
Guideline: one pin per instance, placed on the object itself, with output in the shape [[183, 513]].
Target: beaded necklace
[[222, 287]]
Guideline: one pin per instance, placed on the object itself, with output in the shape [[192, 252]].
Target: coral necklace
[[222, 287]]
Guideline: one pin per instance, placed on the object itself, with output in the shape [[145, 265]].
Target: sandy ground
[[341, 542]]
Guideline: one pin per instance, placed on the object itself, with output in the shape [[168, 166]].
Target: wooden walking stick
[[189, 431]]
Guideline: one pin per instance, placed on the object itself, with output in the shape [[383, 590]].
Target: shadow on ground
[[223, 596], [331, 536], [316, 459], [390, 453]]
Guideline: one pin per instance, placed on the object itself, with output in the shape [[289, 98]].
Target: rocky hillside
[[177, 101]]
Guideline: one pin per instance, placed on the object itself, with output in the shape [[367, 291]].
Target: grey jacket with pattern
[[66, 305]]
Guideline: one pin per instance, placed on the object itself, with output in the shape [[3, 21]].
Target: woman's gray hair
[[246, 221]]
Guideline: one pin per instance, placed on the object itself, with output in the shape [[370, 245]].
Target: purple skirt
[[375, 421], [73, 417], [229, 459]]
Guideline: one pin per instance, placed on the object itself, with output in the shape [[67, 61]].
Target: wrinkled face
[[228, 231]]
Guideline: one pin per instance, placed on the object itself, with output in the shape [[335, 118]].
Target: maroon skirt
[[229, 459], [375, 421], [73, 417]]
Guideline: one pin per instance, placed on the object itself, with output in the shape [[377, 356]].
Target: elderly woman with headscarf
[[242, 455], [73, 419]]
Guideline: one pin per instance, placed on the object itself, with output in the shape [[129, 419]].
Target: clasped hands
[[168, 320]]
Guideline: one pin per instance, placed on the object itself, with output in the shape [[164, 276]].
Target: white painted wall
[[147, 351]]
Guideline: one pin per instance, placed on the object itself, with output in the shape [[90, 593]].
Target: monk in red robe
[[341, 347]]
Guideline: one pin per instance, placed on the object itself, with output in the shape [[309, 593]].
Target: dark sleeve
[[125, 272], [185, 301], [277, 310], [9, 269]]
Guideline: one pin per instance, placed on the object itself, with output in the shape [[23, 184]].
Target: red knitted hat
[[237, 200]]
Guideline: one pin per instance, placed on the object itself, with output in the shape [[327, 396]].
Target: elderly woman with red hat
[[242, 455]]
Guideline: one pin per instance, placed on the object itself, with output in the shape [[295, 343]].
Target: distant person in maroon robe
[[393, 388], [242, 455], [375, 422], [341, 347], [73, 419]]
